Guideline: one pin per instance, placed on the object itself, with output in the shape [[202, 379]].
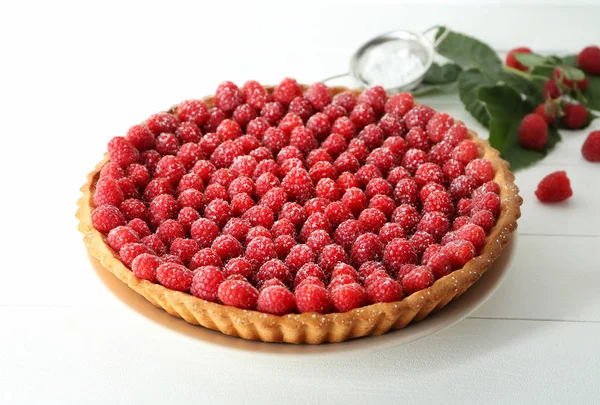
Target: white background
[[73, 75]]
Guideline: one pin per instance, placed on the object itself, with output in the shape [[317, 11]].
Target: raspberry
[[397, 174], [347, 180], [185, 249], [440, 153], [347, 232], [591, 147], [289, 122], [480, 170], [488, 201], [273, 112], [215, 116], [315, 222], [242, 115], [334, 111], [153, 242], [228, 96], [166, 258], [404, 270], [303, 139], [437, 127], [206, 282], [163, 207], [274, 268], [575, 116], [218, 211], [261, 154], [286, 91], [344, 269], [347, 297], [174, 276], [162, 122], [384, 289], [417, 138], [130, 251], [458, 252], [548, 111], [383, 203], [429, 188], [346, 162], [367, 173], [309, 270], [241, 184], [108, 192], [283, 245], [344, 126], [374, 277], [346, 99], [555, 187], [367, 247], [229, 130], [170, 168], [238, 228], [144, 266], [298, 256], [209, 143], [328, 189], [319, 125], [167, 144], [472, 233], [589, 60], [321, 170], [334, 145], [420, 241], [206, 257], [397, 253], [399, 104], [484, 219], [140, 137], [464, 206], [275, 139], [241, 203], [376, 97], [371, 220], [459, 222], [276, 300], [456, 134], [244, 166], [559, 75], [204, 231], [382, 158], [260, 215], [259, 250], [533, 132], [216, 191], [204, 170], [318, 240], [439, 265], [369, 268], [170, 230], [264, 183], [372, 136], [392, 126], [187, 216], [299, 111], [128, 188], [225, 154], [390, 231], [550, 89], [407, 217], [465, 151], [413, 158], [227, 247], [452, 169], [289, 152], [257, 127], [113, 171], [238, 293], [318, 95], [312, 298], [512, 61], [274, 199], [362, 115], [434, 223], [194, 111], [189, 154], [406, 192], [249, 143], [418, 116], [418, 279], [318, 156], [294, 213], [428, 172], [122, 152], [255, 94], [316, 205], [462, 187], [140, 227], [298, 185], [431, 251], [239, 266], [330, 256], [120, 236]]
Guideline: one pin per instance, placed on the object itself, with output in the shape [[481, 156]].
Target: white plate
[[456, 311]]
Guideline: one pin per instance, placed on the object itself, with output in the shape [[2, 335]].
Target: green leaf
[[468, 52], [543, 70], [530, 59], [442, 74], [572, 73], [592, 93], [570, 60], [469, 82], [519, 83]]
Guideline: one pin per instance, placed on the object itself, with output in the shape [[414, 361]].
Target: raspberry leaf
[[468, 83], [467, 52], [592, 93], [442, 74], [531, 59]]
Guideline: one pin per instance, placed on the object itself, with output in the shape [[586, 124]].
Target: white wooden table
[[74, 75]]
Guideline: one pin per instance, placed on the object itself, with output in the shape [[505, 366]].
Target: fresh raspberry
[[452, 169], [303, 139], [431, 251], [551, 90], [163, 207], [480, 170], [170, 230], [238, 228], [512, 61], [548, 111], [417, 138], [397, 174], [114, 171], [390, 231], [462, 187], [204, 231], [318, 156], [229, 130], [458, 252], [259, 250], [122, 152], [140, 227], [298, 185], [289, 152], [466, 151], [273, 112], [238, 293], [167, 258], [383, 203], [459, 222], [437, 127], [318, 95], [397, 253], [260, 215], [344, 126], [255, 94], [194, 111], [429, 188], [340, 280], [392, 126], [215, 116], [347, 232], [382, 158], [241, 203], [185, 249], [439, 265], [276, 300], [209, 143], [384, 289], [298, 256], [376, 97], [560, 76], [261, 154], [399, 104], [206, 282], [318, 240], [589, 60], [555, 187], [248, 144], [319, 125], [283, 245], [204, 170], [418, 279], [299, 107], [108, 192], [456, 134], [242, 115], [367, 173], [162, 122], [367, 247], [315, 205], [344, 269], [412, 159], [309, 270], [294, 213], [347, 297], [440, 153], [407, 217], [368, 268], [144, 266], [216, 191], [374, 277], [330, 256], [167, 144], [362, 115], [356, 147], [312, 298], [346, 162], [273, 268], [289, 122], [274, 199], [286, 91], [591, 147], [316, 221], [206, 257], [487, 201], [406, 192], [575, 116], [328, 189], [139, 175], [174, 276], [140, 137], [187, 216], [428, 173], [257, 127], [418, 116], [128, 188], [346, 99], [275, 139], [404, 270], [241, 184], [347, 180], [334, 145], [228, 96], [244, 166], [240, 266], [472, 233], [533, 132], [225, 154], [218, 211], [321, 170], [155, 244], [484, 219], [420, 241], [371, 220], [227, 247], [170, 168], [130, 251], [264, 183], [120, 236], [334, 111], [464, 206], [434, 223], [372, 136]]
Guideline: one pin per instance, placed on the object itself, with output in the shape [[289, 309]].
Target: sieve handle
[[330, 78], [437, 42]]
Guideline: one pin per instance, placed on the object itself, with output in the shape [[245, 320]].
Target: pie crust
[[313, 328]]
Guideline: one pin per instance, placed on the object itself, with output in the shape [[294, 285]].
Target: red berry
[[384, 289], [334, 111], [458, 252], [452, 169], [122, 152], [465, 151], [397, 174], [298, 185], [162, 122], [459, 222], [273, 112], [157, 187], [170, 230], [484, 219], [140, 227], [299, 255], [383, 203], [271, 269], [456, 134], [260, 215], [276, 300], [413, 158], [591, 147], [487, 201], [204, 231], [533, 132], [437, 127], [174, 276], [372, 136], [406, 192], [428, 172], [554, 187], [418, 279], [472, 233], [316, 221], [429, 188], [347, 297], [140, 137], [439, 265], [255, 94], [418, 116], [318, 95], [163, 207], [259, 250], [512, 61], [238, 228], [120, 236], [480, 170], [551, 89], [462, 187], [167, 144], [575, 116], [301, 107], [243, 114], [344, 126], [367, 247], [194, 111], [371, 220], [185, 249], [420, 241], [346, 99], [362, 115], [589, 60], [286, 91], [206, 282], [218, 211], [215, 116], [283, 245], [346, 233], [229, 130], [407, 217], [390, 231], [226, 153], [258, 231], [330, 256], [206, 257], [239, 266], [312, 298], [128, 188], [397, 253], [274, 199], [154, 243], [392, 125], [238, 293], [399, 104], [108, 192], [417, 138], [303, 139], [228, 96], [144, 266], [434, 223], [545, 111], [382, 158]]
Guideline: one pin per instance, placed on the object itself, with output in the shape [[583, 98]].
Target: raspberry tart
[[299, 214]]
